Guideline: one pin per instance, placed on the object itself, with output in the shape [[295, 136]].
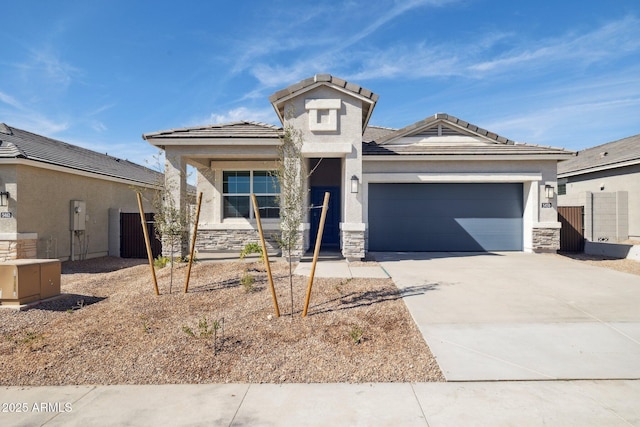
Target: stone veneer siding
[[18, 249], [546, 239], [233, 240], [353, 244]]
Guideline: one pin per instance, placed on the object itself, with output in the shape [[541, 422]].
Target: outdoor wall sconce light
[[548, 189], [4, 198], [354, 184]]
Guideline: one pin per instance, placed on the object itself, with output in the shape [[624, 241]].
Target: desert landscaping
[[109, 327]]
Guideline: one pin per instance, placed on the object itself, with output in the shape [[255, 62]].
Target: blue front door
[[331, 234]]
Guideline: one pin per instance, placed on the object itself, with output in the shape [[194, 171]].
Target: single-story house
[[62, 201], [441, 184], [605, 181]]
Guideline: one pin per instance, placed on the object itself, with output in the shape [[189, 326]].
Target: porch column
[[352, 229], [175, 198]]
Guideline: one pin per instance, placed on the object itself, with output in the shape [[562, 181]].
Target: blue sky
[[99, 74]]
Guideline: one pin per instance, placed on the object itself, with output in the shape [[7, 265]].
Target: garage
[[460, 217]]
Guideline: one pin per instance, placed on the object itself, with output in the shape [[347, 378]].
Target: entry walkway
[[332, 264], [341, 269]]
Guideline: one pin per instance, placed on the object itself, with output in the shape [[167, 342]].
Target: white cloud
[[52, 67], [265, 115], [609, 41], [11, 101], [334, 47], [98, 126], [476, 58]]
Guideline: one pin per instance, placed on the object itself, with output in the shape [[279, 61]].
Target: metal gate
[[572, 231], [132, 243]]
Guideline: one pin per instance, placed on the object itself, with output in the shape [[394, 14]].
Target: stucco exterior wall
[[346, 142], [613, 180], [40, 207]]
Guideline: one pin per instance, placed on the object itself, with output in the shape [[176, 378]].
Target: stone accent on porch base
[[18, 249], [546, 239], [180, 246], [233, 240], [352, 237]]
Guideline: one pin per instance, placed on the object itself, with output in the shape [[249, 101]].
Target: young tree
[[292, 174], [171, 217], [171, 225]]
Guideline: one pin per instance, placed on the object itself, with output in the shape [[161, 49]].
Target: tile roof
[[372, 149], [422, 124], [426, 138], [240, 129], [325, 79], [17, 143], [373, 133], [605, 156], [322, 78]]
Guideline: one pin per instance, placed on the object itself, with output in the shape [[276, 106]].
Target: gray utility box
[[27, 280]]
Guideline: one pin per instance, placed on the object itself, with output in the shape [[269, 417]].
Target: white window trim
[[251, 210]]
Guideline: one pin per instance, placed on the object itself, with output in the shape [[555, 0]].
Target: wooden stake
[[143, 220], [265, 255], [193, 243], [316, 252]]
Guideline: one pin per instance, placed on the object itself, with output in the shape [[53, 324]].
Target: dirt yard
[[111, 328]]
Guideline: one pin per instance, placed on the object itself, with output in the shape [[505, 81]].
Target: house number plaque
[[547, 205], [5, 215]]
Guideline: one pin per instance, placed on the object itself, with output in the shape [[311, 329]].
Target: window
[[237, 187]]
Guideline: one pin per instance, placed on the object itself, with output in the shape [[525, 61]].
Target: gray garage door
[[445, 217]]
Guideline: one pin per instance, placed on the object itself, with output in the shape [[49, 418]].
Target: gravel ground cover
[[624, 265], [111, 328]]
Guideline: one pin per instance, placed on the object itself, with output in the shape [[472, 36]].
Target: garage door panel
[[445, 217]]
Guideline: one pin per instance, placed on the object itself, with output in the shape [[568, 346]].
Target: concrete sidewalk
[[533, 403]]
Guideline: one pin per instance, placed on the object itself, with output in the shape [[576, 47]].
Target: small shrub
[[161, 261], [27, 338], [203, 326], [247, 282], [145, 324], [206, 330], [251, 248], [356, 334], [187, 330]]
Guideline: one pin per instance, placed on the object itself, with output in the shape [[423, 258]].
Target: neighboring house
[[62, 201], [605, 181], [440, 184]]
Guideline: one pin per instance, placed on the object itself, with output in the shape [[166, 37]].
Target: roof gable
[[446, 135], [444, 129], [20, 144], [367, 97]]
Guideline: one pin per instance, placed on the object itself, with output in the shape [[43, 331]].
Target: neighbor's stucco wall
[[40, 204], [605, 214], [8, 180], [614, 180]]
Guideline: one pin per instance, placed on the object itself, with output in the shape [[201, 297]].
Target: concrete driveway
[[517, 316]]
